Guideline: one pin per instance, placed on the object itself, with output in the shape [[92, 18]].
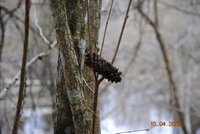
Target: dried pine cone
[[103, 67]]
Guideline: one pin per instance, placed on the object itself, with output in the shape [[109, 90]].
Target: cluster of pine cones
[[102, 67]]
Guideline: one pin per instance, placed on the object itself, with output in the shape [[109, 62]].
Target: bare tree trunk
[[74, 100]]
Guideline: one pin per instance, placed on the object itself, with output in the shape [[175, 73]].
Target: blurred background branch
[[173, 86]]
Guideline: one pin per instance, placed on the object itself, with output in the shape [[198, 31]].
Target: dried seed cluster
[[102, 67]]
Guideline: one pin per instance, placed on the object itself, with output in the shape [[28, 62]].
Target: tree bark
[[74, 100], [63, 122], [70, 70]]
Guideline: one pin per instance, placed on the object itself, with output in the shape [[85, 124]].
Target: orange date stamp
[[165, 123]]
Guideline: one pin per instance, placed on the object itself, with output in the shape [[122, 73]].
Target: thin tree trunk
[[73, 99], [23, 69], [94, 7]]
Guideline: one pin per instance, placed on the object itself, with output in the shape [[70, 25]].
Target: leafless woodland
[[158, 53]]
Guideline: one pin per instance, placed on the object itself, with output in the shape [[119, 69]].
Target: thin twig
[[132, 60], [120, 37], [95, 105], [39, 28], [87, 85], [88, 108], [29, 63], [33, 60], [20, 30], [105, 30], [155, 2], [133, 131], [97, 82], [100, 80], [181, 10], [11, 12], [13, 16], [23, 69], [195, 10], [122, 31], [2, 26]]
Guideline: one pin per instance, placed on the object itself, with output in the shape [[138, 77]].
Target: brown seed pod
[[102, 67]]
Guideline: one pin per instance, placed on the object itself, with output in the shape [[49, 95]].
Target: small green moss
[[73, 24], [83, 31]]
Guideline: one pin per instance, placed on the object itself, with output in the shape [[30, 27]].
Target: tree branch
[[105, 30], [29, 63], [23, 69], [167, 63], [39, 28], [181, 10], [122, 31], [133, 131]]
